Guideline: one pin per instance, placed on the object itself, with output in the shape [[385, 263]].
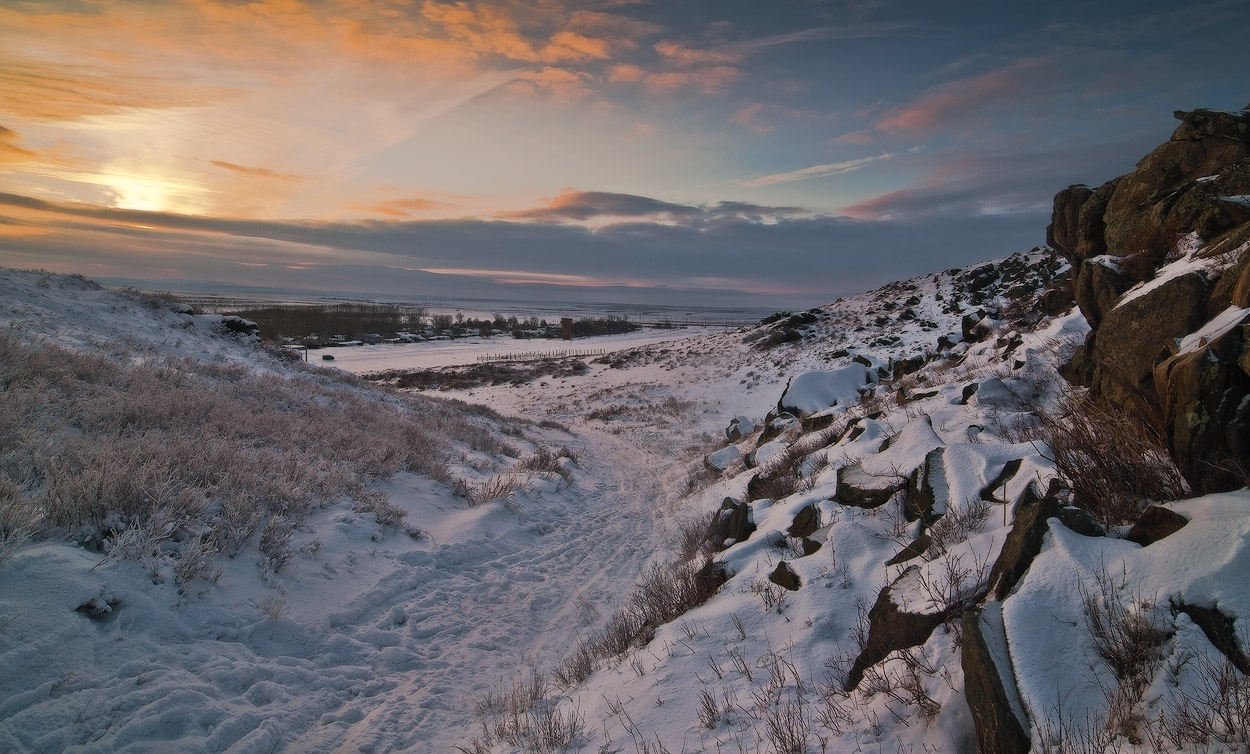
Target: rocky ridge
[[1160, 274]]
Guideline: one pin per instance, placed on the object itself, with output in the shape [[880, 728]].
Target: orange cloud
[[562, 84], [626, 73], [707, 80], [254, 172], [681, 55], [9, 150]]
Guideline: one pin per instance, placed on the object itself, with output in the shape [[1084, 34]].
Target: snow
[[817, 391], [1215, 329], [380, 640], [463, 351]]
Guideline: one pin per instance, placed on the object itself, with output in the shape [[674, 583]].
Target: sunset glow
[[634, 145]]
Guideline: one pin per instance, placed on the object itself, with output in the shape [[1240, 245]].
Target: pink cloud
[[959, 101], [682, 55]]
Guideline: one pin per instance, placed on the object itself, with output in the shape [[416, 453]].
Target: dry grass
[[1115, 464], [92, 447]]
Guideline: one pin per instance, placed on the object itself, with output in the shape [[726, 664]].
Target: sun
[[152, 192]]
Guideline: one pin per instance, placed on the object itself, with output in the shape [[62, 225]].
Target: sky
[[689, 152]]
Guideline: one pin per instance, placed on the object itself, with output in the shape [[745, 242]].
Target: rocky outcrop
[[1097, 286], [989, 684], [1175, 349]]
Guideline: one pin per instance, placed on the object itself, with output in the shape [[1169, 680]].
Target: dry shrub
[[1115, 464]]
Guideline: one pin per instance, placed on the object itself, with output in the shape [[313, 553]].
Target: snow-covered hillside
[[615, 572]]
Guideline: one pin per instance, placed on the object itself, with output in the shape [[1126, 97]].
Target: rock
[[863, 490], [1099, 282], [805, 522], [1201, 146], [778, 425], [1155, 523], [968, 392], [912, 551], [1057, 301], [1136, 354], [721, 459], [765, 453], [1139, 333], [1233, 287], [735, 520], [1220, 630], [890, 629], [974, 327], [784, 576], [903, 367], [926, 487], [1061, 234], [811, 546], [238, 326], [1024, 540], [813, 392], [1205, 412], [989, 492], [989, 684], [740, 428]]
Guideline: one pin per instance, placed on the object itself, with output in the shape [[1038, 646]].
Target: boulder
[[778, 425], [927, 487], [862, 490], [735, 520], [989, 684], [784, 576], [1155, 523], [721, 459], [1204, 143], [1220, 630], [813, 392], [740, 428], [913, 550], [765, 453], [1139, 333], [805, 522], [1233, 287], [891, 629]]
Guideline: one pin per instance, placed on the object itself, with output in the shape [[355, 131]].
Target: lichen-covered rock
[[1206, 412]]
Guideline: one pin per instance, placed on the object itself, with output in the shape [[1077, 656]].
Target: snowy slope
[[459, 626]]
